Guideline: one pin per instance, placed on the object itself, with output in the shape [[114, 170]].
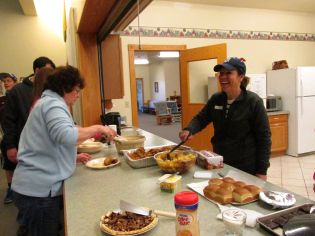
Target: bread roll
[[227, 186], [223, 196], [210, 190], [254, 190], [242, 195], [239, 184], [215, 181], [229, 180]]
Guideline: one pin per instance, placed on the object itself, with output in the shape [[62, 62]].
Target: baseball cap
[[5, 75], [233, 63]]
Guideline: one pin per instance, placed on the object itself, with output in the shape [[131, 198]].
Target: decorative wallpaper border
[[146, 31]]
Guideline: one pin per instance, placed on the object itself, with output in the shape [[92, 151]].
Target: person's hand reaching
[[83, 158], [184, 135]]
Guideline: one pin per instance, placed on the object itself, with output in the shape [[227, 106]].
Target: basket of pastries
[[227, 190], [177, 161]]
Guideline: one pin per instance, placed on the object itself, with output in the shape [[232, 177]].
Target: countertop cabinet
[[279, 134], [112, 68]]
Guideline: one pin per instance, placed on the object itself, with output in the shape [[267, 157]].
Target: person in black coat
[[241, 127], [16, 111]]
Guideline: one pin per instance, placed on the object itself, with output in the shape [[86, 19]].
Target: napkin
[[203, 175], [251, 218]]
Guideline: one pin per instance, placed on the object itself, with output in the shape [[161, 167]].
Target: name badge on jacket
[[218, 107]]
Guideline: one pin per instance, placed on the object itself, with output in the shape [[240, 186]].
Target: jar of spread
[[187, 222]]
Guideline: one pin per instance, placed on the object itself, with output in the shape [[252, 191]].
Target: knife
[[127, 206]]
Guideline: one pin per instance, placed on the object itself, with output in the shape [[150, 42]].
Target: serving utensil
[[176, 147], [127, 206]]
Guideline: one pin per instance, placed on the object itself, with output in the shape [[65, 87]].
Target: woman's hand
[[184, 135], [91, 131], [83, 158], [263, 177], [109, 133]]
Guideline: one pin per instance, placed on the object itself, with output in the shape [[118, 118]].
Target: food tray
[[148, 161], [198, 188], [278, 231]]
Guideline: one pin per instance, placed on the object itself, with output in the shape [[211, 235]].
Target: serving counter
[[89, 194]]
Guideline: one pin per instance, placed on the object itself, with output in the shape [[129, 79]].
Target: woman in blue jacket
[[47, 152]]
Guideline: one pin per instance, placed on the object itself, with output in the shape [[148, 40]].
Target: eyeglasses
[[78, 90]]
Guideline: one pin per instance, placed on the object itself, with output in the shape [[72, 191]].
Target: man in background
[[16, 112]]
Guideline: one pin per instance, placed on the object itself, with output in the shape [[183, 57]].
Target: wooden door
[[190, 107]]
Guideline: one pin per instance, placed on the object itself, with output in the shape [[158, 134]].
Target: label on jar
[[187, 224], [184, 219]]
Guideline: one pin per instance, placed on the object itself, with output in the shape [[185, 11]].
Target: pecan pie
[[127, 223]]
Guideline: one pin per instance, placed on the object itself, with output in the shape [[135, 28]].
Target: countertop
[[274, 113], [89, 194]]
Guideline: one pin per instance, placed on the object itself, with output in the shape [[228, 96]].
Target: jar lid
[[186, 198]]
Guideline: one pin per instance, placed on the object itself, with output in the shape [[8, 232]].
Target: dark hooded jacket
[[242, 136], [16, 111]]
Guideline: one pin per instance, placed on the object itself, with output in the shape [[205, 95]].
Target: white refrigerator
[[297, 89]]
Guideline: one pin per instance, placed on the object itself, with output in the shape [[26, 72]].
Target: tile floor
[[294, 174]]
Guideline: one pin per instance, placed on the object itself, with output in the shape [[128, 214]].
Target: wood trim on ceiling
[[131, 15], [93, 15]]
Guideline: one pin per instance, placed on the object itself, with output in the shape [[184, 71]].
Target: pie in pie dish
[[127, 223]]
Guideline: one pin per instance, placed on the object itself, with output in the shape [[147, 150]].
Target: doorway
[[140, 93], [132, 49]]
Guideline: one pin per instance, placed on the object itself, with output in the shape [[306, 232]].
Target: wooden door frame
[[132, 72], [142, 88]]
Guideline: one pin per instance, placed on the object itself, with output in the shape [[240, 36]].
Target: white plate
[[98, 163], [278, 199], [198, 188]]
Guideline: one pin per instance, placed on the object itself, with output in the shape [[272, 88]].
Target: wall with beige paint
[[25, 38], [172, 80], [165, 72], [259, 53]]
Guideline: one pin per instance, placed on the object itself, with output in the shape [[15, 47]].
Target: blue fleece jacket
[[47, 148]]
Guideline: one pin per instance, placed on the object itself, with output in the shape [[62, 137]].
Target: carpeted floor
[[148, 122]]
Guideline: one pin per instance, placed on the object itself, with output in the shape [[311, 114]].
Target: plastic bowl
[[90, 147], [129, 142], [180, 161]]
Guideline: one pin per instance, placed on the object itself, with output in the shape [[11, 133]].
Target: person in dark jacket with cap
[[241, 127], [9, 80], [16, 111]]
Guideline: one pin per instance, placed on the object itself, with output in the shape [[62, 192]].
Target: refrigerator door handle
[[301, 82]]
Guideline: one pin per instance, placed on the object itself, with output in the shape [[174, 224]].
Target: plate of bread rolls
[[227, 191]]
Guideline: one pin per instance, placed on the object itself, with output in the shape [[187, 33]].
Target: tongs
[[168, 157]]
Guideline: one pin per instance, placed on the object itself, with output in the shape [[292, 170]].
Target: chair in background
[[163, 113], [177, 115]]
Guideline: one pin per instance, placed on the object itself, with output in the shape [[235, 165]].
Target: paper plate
[[277, 199], [98, 163]]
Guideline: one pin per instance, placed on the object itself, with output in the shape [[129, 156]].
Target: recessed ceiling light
[[141, 61], [169, 54]]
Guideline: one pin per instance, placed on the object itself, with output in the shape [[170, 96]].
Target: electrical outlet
[[126, 104]]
